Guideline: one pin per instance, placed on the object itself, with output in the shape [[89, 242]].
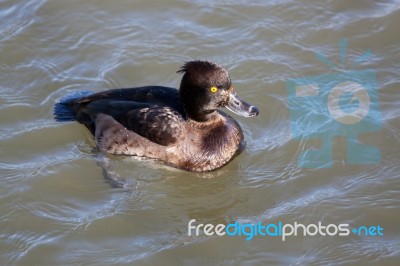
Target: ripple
[[363, 251], [18, 22], [25, 242]]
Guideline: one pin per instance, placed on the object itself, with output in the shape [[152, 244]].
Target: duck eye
[[214, 89]]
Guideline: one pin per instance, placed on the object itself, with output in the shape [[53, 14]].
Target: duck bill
[[240, 107]]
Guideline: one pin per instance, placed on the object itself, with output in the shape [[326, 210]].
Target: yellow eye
[[213, 89]]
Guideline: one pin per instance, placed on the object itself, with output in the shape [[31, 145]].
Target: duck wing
[[159, 124], [153, 112], [156, 95]]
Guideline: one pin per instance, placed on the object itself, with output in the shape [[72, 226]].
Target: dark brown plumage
[[181, 128]]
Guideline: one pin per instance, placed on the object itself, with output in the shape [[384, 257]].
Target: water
[[56, 207]]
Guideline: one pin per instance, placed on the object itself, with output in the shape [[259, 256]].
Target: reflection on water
[[63, 203]]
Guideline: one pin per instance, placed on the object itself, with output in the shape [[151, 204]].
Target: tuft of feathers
[[199, 65], [203, 72]]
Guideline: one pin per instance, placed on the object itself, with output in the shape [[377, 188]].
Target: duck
[[183, 128]]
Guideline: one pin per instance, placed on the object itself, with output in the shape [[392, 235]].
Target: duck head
[[205, 87]]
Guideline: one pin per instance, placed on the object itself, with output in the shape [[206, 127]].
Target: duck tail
[[64, 108]]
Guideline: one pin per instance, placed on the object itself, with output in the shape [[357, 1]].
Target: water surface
[[56, 207]]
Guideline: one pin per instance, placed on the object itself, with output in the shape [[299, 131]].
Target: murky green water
[[56, 207]]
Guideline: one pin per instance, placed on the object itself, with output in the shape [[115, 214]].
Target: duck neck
[[203, 118], [209, 120]]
